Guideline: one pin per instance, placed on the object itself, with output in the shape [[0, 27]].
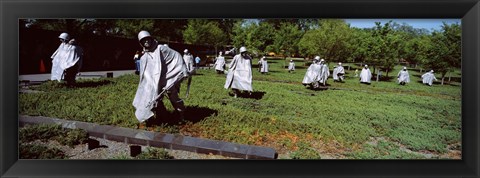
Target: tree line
[[383, 46]]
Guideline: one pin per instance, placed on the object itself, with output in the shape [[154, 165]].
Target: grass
[[281, 112]]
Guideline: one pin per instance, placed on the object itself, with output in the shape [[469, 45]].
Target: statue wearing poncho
[[428, 78], [335, 74], [220, 63], [365, 75], [263, 65], [188, 58], [312, 75], [240, 73], [324, 74], [63, 58], [291, 66], [160, 69], [340, 72], [403, 77]]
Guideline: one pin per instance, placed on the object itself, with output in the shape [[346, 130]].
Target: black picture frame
[[467, 10]]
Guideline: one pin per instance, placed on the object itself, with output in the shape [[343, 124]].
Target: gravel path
[[117, 150]]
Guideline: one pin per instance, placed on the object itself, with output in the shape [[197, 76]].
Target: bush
[[154, 153], [34, 151], [45, 132], [73, 137]]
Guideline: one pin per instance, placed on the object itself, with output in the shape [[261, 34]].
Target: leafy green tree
[[259, 37], [329, 40], [256, 36], [127, 28], [204, 32], [303, 24], [413, 44], [409, 30], [360, 45], [72, 26], [286, 39], [170, 30], [239, 31], [416, 50], [227, 26], [384, 47], [445, 51], [277, 23], [130, 27], [308, 44]]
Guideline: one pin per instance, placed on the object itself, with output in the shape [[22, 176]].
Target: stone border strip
[[162, 140]]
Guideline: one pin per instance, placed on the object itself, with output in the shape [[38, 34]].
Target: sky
[[429, 24]]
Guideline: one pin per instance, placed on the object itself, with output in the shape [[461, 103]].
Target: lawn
[[348, 121]]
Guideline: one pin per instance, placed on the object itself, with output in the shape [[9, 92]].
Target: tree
[[413, 44], [445, 51], [286, 39], [416, 50], [453, 35], [409, 30], [329, 40], [205, 32], [72, 26], [256, 36], [227, 26], [126, 28], [259, 37], [130, 27], [360, 45], [170, 30], [262, 37], [239, 30], [384, 47]]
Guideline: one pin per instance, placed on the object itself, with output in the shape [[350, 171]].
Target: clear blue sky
[[429, 24]]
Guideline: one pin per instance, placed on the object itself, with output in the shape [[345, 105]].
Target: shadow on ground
[[192, 114], [253, 95], [320, 88], [383, 78], [297, 67]]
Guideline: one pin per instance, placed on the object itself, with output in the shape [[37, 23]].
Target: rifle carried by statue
[[179, 79]]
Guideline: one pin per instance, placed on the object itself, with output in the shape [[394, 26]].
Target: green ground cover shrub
[[154, 153], [149, 153], [44, 132], [280, 113], [33, 151], [384, 150]]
